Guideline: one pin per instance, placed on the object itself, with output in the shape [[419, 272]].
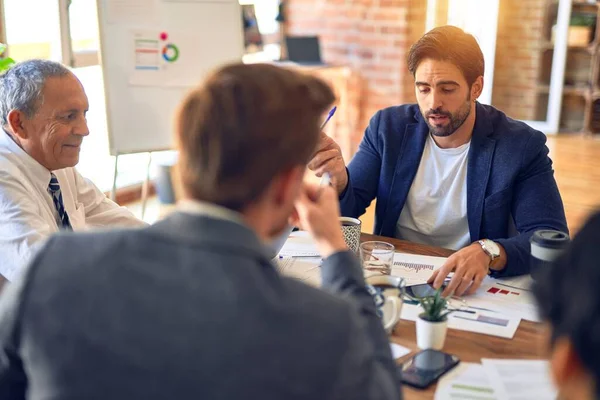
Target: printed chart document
[[495, 295], [523, 282], [467, 381], [415, 269], [299, 244], [520, 379], [471, 320]]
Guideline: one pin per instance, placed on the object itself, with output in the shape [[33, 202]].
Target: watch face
[[492, 247]]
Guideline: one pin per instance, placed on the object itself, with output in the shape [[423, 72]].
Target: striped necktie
[[54, 190]]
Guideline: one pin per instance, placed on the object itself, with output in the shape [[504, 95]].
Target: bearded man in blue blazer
[[449, 171]]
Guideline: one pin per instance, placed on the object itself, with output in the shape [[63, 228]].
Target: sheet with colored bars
[[415, 269], [495, 295], [468, 381]]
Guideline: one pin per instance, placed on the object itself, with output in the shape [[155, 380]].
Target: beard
[[455, 120]]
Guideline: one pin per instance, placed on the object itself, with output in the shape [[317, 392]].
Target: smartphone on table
[[426, 367], [422, 290]]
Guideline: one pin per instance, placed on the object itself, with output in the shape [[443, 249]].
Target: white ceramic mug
[[388, 293]]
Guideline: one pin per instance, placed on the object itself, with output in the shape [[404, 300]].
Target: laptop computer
[[303, 50]]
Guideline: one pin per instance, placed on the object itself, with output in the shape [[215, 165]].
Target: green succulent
[[435, 308], [583, 19]]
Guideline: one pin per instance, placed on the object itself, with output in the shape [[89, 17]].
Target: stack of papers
[[299, 244], [497, 380]]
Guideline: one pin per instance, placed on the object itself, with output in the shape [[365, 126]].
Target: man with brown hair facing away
[[192, 307]]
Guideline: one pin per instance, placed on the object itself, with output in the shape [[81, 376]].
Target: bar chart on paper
[[502, 291], [415, 269]]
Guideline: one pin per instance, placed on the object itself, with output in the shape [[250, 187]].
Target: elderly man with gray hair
[[43, 112]]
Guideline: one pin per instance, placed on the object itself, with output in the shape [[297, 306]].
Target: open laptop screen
[[303, 49]]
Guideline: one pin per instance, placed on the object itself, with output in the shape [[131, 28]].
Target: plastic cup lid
[[549, 238]]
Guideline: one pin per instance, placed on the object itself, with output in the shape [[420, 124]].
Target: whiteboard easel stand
[[113, 191], [145, 186]]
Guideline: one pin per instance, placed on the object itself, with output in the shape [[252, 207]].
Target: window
[[266, 14], [67, 31]]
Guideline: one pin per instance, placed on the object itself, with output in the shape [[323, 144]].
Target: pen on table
[[328, 117]]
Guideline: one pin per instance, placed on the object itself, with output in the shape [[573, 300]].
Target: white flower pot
[[431, 335]]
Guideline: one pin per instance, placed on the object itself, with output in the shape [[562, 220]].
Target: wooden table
[[528, 342]]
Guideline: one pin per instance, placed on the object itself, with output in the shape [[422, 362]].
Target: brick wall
[[519, 58], [370, 36], [374, 36]]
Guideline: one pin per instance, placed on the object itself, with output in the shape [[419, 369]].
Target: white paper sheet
[[132, 11], [399, 351], [307, 270], [299, 244], [509, 301], [486, 323], [523, 282], [520, 379], [467, 381], [415, 269]]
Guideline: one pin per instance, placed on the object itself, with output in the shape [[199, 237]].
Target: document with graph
[[415, 269], [507, 299]]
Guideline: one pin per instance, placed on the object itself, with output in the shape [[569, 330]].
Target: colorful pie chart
[[170, 53]]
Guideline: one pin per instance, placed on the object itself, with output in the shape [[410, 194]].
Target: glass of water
[[377, 257]]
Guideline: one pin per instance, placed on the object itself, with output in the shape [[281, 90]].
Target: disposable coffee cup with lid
[[546, 246]]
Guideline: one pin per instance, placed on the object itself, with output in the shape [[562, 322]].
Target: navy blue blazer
[[511, 191]]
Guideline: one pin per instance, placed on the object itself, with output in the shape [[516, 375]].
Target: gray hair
[[21, 86]]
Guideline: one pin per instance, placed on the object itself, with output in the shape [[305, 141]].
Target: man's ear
[[477, 88], [16, 121], [286, 184], [565, 363]]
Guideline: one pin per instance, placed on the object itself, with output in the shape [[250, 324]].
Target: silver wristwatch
[[490, 248]]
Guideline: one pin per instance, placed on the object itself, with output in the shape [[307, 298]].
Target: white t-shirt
[[435, 212]]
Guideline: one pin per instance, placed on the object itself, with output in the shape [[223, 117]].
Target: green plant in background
[[435, 308], [5, 62], [583, 19]]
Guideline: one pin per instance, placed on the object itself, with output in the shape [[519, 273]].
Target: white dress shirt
[[28, 215], [435, 212]]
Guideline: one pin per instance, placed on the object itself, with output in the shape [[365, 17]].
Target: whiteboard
[[152, 53]]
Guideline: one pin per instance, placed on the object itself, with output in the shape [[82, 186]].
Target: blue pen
[[326, 180], [328, 117]]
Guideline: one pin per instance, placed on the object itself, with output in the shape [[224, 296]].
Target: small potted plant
[[5, 62], [432, 323], [580, 29]]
